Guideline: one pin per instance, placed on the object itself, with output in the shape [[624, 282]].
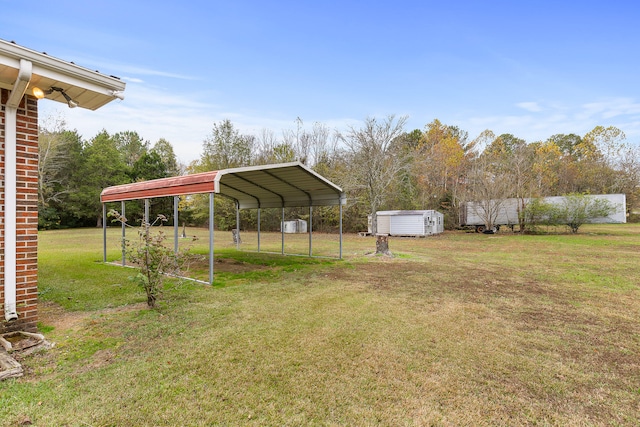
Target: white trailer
[[506, 212], [409, 223]]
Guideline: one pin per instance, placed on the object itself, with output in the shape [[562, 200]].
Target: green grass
[[457, 329]]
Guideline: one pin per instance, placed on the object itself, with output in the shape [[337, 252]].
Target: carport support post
[[176, 201], [340, 204], [211, 238], [238, 226], [104, 232], [124, 253], [146, 211], [310, 231], [258, 229], [282, 230]]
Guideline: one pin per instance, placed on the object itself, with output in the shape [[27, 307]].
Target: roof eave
[[42, 61], [90, 89]]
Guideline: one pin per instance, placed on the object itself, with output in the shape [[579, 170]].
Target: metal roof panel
[[266, 186]]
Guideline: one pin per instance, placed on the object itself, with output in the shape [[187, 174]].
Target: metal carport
[[254, 187]]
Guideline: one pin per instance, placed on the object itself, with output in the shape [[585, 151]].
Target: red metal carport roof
[[266, 186], [174, 186]]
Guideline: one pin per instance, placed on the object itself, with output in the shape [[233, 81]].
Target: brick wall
[[27, 214]]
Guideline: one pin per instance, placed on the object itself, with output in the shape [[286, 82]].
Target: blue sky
[[532, 69]]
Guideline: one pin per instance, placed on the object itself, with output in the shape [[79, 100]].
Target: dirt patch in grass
[[223, 265], [98, 360], [234, 266], [53, 315], [420, 278]]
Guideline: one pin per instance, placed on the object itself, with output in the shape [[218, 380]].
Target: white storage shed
[[295, 226], [409, 223]]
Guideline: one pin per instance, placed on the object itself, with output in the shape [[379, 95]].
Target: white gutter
[[42, 61], [10, 184]]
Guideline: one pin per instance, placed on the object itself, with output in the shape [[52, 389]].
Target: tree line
[[379, 164], [72, 172]]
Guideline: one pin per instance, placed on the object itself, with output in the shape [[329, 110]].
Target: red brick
[[27, 216]]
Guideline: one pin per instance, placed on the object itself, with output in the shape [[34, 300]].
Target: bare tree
[[488, 187], [311, 147], [321, 144], [56, 147], [295, 143], [628, 175], [374, 165], [265, 144]]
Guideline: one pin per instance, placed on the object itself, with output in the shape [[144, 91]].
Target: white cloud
[[555, 118], [612, 108], [184, 119], [132, 79], [530, 106]]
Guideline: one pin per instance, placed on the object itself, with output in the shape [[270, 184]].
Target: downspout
[[10, 185]]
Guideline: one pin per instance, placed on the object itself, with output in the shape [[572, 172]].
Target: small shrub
[[579, 209], [154, 259], [538, 213]]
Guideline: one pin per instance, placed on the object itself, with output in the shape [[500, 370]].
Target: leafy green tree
[[441, 160], [538, 213], [102, 166], [149, 166], [226, 148], [578, 209], [546, 168], [569, 145], [130, 145], [165, 150], [573, 211], [283, 153]]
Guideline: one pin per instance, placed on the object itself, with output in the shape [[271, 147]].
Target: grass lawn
[[456, 329]]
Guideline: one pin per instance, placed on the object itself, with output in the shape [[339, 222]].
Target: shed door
[[407, 225]]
